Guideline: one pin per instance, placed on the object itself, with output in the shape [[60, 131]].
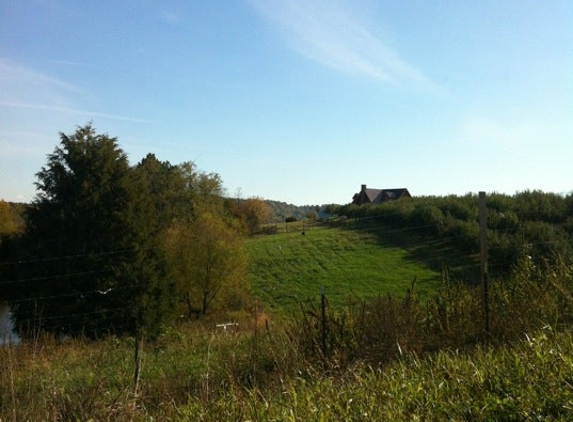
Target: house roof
[[376, 196], [394, 193], [372, 194]]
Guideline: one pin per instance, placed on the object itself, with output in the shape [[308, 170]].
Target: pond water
[[6, 326]]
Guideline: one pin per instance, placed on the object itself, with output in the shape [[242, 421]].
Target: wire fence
[[465, 257]]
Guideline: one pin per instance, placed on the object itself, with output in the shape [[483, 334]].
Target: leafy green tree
[[207, 260], [177, 190], [169, 195], [9, 220], [250, 212], [540, 206], [89, 262]]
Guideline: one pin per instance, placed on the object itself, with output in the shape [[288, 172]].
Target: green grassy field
[[289, 268], [435, 368]]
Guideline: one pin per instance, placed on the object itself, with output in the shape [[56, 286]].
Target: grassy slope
[[288, 268]]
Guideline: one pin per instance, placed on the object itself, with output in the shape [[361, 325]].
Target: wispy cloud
[[24, 88], [169, 17], [70, 63], [72, 111], [34, 107], [17, 75], [331, 33]]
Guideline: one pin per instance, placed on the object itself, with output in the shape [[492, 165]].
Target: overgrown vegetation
[[391, 359], [531, 223], [112, 251]]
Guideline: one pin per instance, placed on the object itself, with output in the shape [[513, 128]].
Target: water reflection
[[7, 334]]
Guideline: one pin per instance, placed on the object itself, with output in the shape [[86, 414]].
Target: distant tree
[[311, 215], [250, 212], [207, 260], [278, 211], [9, 220], [540, 206], [10, 231]]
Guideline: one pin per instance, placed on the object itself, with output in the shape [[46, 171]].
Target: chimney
[[363, 188]]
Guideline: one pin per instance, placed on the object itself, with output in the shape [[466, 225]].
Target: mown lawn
[[289, 268]]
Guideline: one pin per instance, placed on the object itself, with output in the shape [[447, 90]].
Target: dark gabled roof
[[373, 194], [376, 196], [394, 193], [380, 195]]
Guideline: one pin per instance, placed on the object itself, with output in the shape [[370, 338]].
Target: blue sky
[[297, 100]]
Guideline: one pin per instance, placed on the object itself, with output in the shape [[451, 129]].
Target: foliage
[[207, 261], [251, 213], [205, 376], [280, 211], [91, 253], [78, 240], [533, 220], [169, 195], [11, 221]]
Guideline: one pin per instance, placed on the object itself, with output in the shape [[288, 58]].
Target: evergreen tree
[[87, 260]]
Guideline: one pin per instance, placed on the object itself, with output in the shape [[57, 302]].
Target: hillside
[[289, 268], [279, 211]]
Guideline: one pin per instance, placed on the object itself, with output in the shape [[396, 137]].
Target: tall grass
[[208, 380], [382, 329], [392, 358], [529, 381]]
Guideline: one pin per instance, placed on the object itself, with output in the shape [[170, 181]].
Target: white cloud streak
[[23, 88], [72, 111], [330, 33], [15, 75]]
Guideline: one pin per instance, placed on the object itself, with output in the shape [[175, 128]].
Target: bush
[[380, 330]]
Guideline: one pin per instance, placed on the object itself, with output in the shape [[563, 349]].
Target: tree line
[[110, 247], [532, 224]]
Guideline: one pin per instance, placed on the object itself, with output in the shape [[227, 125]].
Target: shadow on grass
[[423, 247]]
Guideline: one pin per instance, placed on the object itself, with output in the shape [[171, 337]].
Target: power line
[[56, 277], [66, 257], [79, 294]]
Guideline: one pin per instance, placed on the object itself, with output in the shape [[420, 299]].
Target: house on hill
[[377, 196]]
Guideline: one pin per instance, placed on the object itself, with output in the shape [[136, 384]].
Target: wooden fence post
[[483, 258], [323, 308], [137, 358]]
